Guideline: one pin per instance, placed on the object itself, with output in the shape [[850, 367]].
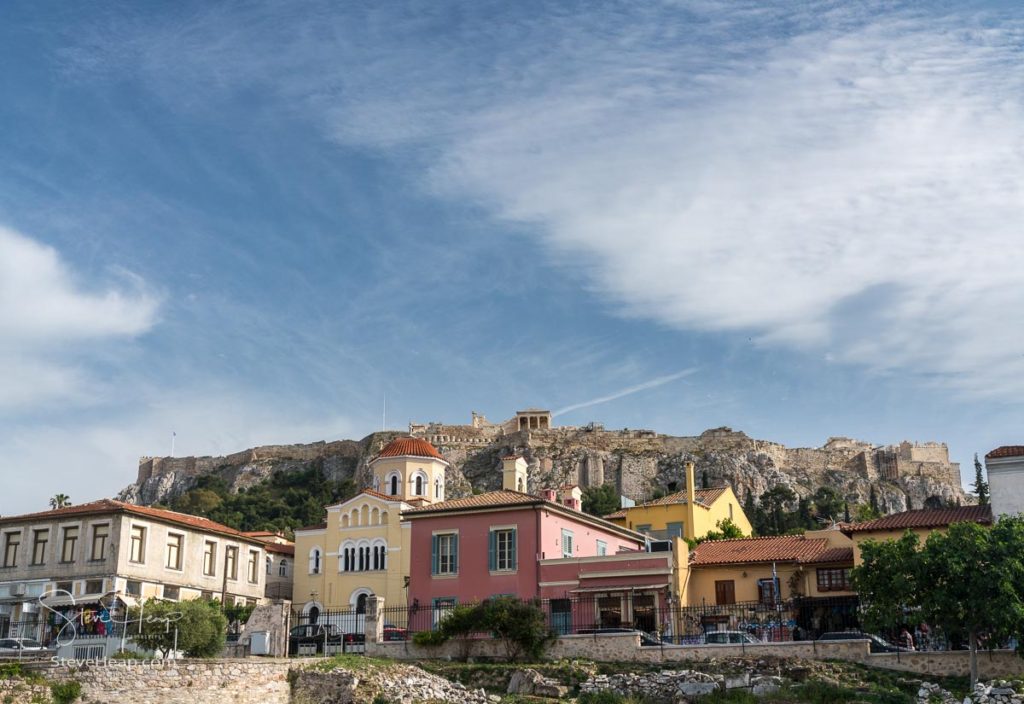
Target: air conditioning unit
[[19, 589], [659, 546]]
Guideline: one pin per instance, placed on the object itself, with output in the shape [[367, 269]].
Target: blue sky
[[248, 222]]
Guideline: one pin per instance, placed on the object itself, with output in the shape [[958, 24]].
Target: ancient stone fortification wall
[[180, 681]]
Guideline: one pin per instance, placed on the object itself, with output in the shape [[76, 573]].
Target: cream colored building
[[362, 549], [1005, 468], [105, 555]]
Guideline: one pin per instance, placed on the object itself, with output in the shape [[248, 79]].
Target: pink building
[[512, 543]]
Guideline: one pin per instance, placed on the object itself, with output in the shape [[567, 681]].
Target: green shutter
[[515, 555], [433, 555], [492, 550]]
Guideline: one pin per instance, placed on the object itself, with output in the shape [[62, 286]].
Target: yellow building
[[362, 549], [689, 514], [774, 588], [921, 522], [769, 569]]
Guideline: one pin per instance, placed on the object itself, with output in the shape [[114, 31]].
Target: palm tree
[[60, 501]]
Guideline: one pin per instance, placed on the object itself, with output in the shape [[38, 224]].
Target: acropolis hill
[[637, 462]]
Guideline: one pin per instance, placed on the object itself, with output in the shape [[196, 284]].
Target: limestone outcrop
[[637, 462]]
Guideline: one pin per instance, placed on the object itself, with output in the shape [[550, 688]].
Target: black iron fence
[[793, 619]]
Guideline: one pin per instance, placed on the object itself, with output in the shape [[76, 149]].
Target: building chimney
[[691, 501], [572, 497], [549, 495], [513, 473]]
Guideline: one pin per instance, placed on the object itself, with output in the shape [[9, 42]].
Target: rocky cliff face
[[636, 462]]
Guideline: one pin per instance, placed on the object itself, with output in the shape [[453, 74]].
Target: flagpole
[[173, 435]]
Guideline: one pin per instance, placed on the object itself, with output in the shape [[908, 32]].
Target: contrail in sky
[[653, 383]]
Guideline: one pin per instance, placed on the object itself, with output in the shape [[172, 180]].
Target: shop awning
[[620, 588], [107, 600]]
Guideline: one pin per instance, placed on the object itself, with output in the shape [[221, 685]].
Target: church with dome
[[362, 548]]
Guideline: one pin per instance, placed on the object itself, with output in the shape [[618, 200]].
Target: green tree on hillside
[[726, 530], [601, 500], [283, 502], [980, 485]]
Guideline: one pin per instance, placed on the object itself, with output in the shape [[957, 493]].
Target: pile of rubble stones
[[670, 685], [995, 692]]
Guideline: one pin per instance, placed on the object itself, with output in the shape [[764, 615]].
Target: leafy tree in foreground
[[201, 627], [968, 581], [600, 500], [520, 625], [886, 581], [972, 583]]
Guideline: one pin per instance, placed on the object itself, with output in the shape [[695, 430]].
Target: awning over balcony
[[620, 588]]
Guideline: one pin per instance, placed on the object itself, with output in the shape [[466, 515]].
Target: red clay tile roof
[[925, 518], [410, 447], [280, 549], [486, 500], [110, 506], [705, 497], [782, 548], [1006, 451], [512, 457], [835, 555]]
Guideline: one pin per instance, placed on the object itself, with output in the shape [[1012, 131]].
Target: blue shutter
[[455, 554], [433, 555], [514, 548], [492, 550]]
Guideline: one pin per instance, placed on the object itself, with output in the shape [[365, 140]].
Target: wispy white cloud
[[49, 320], [628, 391], [96, 457], [842, 179]]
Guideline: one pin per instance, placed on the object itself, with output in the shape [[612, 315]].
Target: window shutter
[[492, 551], [515, 555], [433, 557], [455, 554]]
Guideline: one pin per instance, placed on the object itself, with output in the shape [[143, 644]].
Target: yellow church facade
[[362, 549], [691, 514]]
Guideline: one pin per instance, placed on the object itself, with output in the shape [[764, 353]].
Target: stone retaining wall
[[626, 648], [991, 665], [17, 691], [179, 681], [623, 648]]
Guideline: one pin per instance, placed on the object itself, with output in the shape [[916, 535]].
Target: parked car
[[20, 645], [729, 638], [393, 632], [877, 643], [313, 634], [645, 638]]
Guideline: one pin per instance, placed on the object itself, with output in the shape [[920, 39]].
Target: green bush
[[429, 638], [65, 692], [604, 696], [200, 625]]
